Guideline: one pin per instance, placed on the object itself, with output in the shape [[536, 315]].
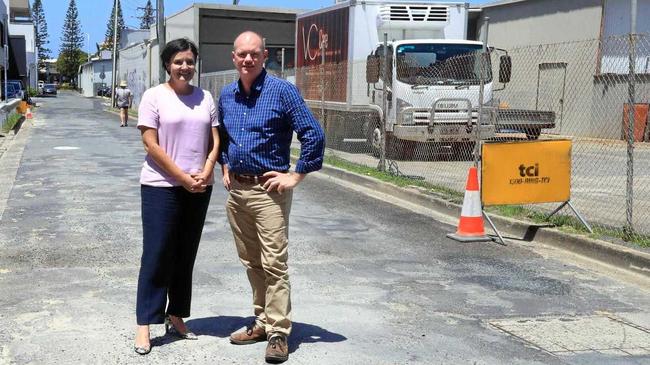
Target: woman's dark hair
[[175, 46]]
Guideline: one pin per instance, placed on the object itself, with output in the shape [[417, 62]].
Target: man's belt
[[251, 179]]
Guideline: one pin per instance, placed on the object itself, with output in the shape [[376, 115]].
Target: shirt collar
[[256, 88]]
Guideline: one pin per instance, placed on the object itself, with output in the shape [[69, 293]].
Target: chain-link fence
[[413, 110]]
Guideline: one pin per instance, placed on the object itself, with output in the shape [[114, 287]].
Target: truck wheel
[[374, 138], [533, 134], [463, 151], [396, 149]]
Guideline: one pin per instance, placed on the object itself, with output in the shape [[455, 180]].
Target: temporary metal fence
[[439, 104]]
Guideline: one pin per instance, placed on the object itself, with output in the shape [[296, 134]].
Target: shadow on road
[[223, 326]]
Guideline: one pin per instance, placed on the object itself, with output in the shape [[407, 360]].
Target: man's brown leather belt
[[251, 179]]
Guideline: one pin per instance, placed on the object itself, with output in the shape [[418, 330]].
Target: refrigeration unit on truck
[[432, 84]]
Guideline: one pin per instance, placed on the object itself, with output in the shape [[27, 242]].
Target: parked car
[[22, 94], [12, 92], [104, 90], [49, 89]]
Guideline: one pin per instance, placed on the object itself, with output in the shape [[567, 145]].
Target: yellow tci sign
[[526, 172]]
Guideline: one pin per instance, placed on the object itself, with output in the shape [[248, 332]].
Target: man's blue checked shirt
[[259, 127]]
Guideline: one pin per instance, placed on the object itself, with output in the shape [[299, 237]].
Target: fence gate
[[551, 85]]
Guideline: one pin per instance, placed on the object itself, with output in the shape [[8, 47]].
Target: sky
[[94, 14]]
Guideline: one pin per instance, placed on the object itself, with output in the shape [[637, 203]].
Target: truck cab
[[432, 88]]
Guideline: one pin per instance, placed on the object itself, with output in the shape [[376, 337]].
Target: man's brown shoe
[[251, 334], [277, 350]]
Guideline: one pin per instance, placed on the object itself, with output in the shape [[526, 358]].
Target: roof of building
[[500, 3]]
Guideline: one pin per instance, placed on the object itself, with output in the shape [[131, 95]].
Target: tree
[[148, 18], [108, 42], [71, 42], [40, 32]]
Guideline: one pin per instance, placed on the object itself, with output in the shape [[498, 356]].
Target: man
[[258, 115], [123, 99], [275, 63]]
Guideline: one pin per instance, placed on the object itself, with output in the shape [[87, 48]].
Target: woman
[[178, 123]]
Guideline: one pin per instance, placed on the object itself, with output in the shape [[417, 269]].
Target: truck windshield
[[440, 64]]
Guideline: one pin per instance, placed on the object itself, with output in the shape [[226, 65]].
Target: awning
[[19, 9]]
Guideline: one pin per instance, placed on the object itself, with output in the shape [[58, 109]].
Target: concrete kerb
[[513, 230]]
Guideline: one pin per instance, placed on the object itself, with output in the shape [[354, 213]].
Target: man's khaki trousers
[[260, 225]]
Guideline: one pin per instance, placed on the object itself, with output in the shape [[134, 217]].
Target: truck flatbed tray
[[525, 118]]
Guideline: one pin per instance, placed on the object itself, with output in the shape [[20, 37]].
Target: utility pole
[[114, 73], [160, 30]]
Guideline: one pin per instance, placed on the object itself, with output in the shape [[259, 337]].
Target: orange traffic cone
[[470, 226], [28, 114]]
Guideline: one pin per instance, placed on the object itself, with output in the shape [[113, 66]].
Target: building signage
[[317, 36]]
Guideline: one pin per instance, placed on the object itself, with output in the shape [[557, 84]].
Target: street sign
[[526, 172]]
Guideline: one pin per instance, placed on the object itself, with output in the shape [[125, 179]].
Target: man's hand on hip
[[281, 181]]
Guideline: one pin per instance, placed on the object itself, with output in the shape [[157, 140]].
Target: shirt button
[[241, 161], [244, 113], [239, 145], [242, 129]]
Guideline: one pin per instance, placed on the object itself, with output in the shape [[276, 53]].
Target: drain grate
[[566, 336]]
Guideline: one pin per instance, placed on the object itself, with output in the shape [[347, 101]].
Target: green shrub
[[10, 122], [32, 91]]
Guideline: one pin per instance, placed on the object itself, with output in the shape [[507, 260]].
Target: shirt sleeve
[[214, 119], [309, 132], [148, 111]]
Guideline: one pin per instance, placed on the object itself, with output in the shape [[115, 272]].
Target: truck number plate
[[443, 130]]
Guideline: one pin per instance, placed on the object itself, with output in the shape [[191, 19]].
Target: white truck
[[432, 83]]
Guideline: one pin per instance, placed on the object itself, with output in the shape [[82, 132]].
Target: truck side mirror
[[505, 69], [372, 69]]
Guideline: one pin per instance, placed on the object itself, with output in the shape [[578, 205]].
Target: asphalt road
[[372, 282]]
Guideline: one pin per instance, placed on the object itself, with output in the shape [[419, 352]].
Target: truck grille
[[421, 116], [421, 13]]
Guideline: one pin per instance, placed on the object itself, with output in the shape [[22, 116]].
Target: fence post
[[629, 196], [384, 106], [322, 84], [481, 94]]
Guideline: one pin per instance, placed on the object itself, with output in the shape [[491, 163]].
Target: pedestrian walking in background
[[124, 100], [258, 115], [178, 123]]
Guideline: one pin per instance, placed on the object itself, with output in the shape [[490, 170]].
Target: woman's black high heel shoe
[[170, 329]]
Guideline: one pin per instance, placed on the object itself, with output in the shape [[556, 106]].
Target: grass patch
[[11, 121], [568, 224], [565, 223], [402, 181]]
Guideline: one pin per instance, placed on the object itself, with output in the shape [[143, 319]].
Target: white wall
[[27, 30], [86, 80], [542, 22], [135, 67], [91, 76], [617, 23]]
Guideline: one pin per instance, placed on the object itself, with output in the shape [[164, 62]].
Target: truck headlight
[[404, 112]]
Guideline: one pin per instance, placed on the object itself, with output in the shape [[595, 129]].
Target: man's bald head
[[249, 37]]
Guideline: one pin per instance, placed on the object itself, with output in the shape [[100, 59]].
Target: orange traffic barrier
[[22, 107], [28, 114], [470, 226]]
